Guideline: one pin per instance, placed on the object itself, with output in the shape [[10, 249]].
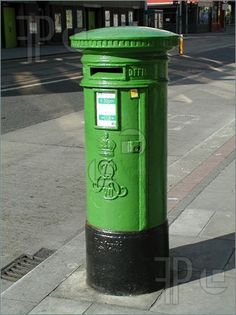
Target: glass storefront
[[203, 15]]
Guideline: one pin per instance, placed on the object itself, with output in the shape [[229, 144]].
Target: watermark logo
[[41, 30], [180, 271]]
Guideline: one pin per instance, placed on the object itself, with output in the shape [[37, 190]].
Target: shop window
[[57, 21], [131, 18], [215, 14], [170, 18], [135, 17], [69, 21], [79, 18], [123, 19], [160, 19], [156, 20], [228, 14], [107, 18], [203, 15], [32, 24], [115, 20]]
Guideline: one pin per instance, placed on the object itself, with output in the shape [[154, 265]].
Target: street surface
[[38, 91], [42, 143]]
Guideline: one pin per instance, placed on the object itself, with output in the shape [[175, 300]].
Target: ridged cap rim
[[125, 37]]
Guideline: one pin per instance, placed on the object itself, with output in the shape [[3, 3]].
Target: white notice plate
[[106, 109]]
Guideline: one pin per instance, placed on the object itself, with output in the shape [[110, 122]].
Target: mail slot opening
[[106, 70]]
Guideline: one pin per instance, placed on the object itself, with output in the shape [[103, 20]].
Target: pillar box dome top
[[125, 37]]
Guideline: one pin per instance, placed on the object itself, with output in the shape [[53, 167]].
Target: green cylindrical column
[[125, 93]]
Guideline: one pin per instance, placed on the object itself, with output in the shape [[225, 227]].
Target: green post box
[[125, 96]]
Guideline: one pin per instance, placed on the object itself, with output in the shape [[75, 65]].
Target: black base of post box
[[127, 263]]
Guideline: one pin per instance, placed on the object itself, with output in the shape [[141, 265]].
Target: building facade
[[191, 16], [43, 22]]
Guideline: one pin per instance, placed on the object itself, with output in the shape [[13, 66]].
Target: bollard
[[181, 44], [125, 101]]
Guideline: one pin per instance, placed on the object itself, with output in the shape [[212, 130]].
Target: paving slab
[[52, 305], [97, 308], [209, 201], [191, 222], [220, 194], [11, 306], [4, 284], [230, 266], [220, 224], [213, 294], [196, 154], [75, 287]]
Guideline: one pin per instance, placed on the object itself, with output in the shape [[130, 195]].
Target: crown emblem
[[107, 146]]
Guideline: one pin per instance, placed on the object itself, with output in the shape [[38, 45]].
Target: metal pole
[[180, 17], [177, 18], [224, 11], [186, 18], [145, 14]]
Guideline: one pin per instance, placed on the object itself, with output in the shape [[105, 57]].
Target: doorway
[[91, 19], [9, 20]]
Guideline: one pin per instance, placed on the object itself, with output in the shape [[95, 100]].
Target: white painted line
[[215, 47], [211, 60], [197, 75], [40, 83], [183, 98], [25, 82], [216, 69], [29, 62]]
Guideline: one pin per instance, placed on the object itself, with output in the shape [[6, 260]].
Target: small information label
[[106, 109]]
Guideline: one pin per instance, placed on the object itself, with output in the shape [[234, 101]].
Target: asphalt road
[[33, 92]]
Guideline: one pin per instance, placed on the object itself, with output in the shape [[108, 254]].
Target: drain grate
[[23, 264]]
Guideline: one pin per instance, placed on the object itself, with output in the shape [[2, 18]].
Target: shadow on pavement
[[203, 259], [44, 75], [62, 67], [206, 64]]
